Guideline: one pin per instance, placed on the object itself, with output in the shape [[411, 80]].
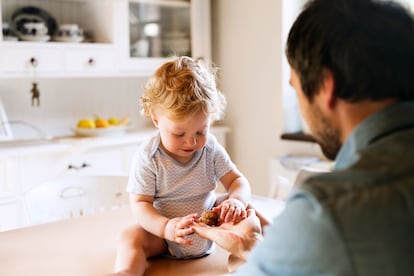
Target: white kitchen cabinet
[[10, 215], [22, 60], [18, 174], [60, 59], [98, 161], [93, 60], [117, 44], [9, 208], [151, 31], [22, 169], [32, 60], [8, 176]]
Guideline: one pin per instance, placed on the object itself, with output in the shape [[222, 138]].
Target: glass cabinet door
[[159, 28]]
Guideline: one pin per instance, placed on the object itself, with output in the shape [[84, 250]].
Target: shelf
[[121, 45], [94, 17], [298, 136]]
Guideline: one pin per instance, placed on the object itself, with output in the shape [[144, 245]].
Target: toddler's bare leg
[[135, 245]]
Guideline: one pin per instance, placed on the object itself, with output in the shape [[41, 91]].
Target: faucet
[[39, 131]]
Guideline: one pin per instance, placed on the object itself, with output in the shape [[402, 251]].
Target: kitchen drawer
[[89, 61], [102, 161], [8, 176], [37, 169], [24, 60]]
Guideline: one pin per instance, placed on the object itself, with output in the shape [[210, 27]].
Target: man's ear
[[328, 88]]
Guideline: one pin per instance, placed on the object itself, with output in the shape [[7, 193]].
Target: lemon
[[113, 121], [86, 123]]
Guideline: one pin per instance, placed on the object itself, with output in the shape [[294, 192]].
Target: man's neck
[[352, 114]]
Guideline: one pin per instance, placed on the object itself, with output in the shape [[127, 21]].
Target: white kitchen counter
[[67, 143], [78, 143]]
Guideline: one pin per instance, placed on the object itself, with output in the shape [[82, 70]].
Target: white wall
[[248, 47], [64, 101]]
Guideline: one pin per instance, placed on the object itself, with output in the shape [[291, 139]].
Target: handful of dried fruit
[[209, 217]]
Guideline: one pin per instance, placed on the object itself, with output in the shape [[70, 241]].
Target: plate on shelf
[[104, 131], [32, 14], [74, 39], [34, 38]]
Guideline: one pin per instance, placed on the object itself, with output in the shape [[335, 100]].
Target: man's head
[[364, 47]]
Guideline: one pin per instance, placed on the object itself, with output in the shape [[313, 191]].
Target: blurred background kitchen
[[93, 60]]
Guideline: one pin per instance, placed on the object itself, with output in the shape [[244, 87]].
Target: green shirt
[[357, 220]]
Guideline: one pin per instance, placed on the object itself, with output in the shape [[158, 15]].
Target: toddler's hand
[[231, 210], [177, 228]]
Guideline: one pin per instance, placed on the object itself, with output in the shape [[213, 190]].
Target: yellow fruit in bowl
[[113, 121], [101, 123], [86, 123]]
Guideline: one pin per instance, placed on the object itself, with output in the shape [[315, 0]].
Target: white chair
[[75, 195]]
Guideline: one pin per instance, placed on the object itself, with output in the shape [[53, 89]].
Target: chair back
[[75, 195]]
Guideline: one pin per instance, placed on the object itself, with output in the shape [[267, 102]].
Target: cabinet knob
[[33, 61], [91, 61], [73, 167]]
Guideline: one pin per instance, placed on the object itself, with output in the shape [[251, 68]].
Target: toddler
[[175, 173]]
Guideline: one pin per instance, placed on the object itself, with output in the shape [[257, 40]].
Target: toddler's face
[[182, 138]]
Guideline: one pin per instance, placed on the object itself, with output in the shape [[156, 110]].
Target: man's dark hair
[[368, 45]]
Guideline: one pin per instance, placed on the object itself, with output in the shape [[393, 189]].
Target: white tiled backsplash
[[64, 101]]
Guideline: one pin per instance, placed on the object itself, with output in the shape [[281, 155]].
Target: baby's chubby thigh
[[138, 239]]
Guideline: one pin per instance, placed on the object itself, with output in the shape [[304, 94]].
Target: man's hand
[[236, 238]]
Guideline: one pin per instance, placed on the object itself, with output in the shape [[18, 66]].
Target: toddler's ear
[[154, 120]]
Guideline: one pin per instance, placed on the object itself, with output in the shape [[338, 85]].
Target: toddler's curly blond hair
[[183, 87]]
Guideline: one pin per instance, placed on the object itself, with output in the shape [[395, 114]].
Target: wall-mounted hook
[[35, 94], [35, 89]]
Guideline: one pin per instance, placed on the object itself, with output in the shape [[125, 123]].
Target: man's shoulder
[[334, 190]]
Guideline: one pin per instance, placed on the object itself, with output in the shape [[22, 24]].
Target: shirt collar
[[373, 128]]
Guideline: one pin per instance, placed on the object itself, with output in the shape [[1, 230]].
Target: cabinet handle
[[73, 167], [33, 61], [91, 62]]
